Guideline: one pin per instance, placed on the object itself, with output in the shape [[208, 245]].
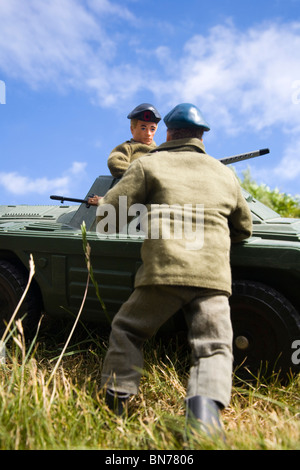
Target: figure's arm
[[119, 160]]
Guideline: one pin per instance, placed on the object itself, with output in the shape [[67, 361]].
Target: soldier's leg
[[209, 385], [138, 320], [210, 338]]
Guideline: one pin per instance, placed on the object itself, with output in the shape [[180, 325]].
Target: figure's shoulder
[[124, 147]]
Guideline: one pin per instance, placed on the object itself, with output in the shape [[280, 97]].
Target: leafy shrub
[[284, 204]]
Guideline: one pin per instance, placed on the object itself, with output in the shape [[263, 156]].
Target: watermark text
[[157, 221], [296, 92], [296, 353], [2, 92]]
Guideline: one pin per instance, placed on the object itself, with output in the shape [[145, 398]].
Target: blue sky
[[71, 70]]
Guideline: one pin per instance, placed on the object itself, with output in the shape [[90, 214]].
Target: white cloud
[[289, 166], [40, 42], [106, 7], [62, 43], [77, 168], [280, 172], [17, 184], [244, 80]]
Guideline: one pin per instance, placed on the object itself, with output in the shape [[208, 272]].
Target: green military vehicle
[[265, 303]]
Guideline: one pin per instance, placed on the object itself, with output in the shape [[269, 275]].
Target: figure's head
[[185, 120], [144, 119], [143, 131]]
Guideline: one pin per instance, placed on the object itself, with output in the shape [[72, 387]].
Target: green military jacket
[[121, 156], [180, 176]]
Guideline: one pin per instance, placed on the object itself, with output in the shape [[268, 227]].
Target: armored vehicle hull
[[265, 303]]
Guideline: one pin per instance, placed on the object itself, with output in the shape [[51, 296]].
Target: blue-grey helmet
[[185, 115], [145, 112]]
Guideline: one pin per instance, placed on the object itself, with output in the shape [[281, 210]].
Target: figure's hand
[[93, 201]]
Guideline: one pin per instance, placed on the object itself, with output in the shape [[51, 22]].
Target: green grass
[[50, 397], [40, 410]]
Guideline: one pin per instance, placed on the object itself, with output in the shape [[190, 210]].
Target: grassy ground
[[47, 402]]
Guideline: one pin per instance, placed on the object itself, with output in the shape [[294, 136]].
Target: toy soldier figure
[[173, 277], [143, 125]]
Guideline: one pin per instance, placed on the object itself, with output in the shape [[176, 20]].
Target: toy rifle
[[243, 156], [226, 161], [62, 199]]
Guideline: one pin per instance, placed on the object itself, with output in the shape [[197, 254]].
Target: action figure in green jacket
[[187, 271], [143, 125]]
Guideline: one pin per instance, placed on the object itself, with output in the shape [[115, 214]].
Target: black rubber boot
[[117, 401], [203, 416]]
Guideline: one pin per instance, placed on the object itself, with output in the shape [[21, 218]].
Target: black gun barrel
[[243, 156], [70, 199], [225, 161]]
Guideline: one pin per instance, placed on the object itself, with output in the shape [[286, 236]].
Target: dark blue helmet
[[145, 112], [184, 116]]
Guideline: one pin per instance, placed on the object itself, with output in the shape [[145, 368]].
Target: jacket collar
[[187, 144]]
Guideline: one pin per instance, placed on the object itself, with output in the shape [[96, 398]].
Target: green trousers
[[207, 315]]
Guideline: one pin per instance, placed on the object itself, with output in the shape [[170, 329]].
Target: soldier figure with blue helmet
[[173, 278], [143, 125]]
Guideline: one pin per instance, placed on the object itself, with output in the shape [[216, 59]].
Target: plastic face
[[144, 132]]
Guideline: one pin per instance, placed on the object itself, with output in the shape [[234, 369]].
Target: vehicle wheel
[[265, 324], [13, 281]]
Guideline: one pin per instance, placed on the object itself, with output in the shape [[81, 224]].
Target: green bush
[[284, 204]]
